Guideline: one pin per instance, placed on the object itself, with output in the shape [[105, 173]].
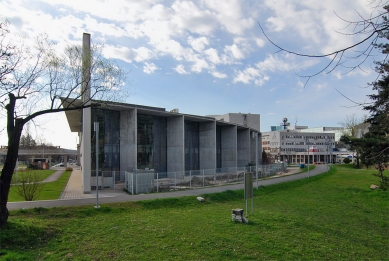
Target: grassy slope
[[334, 216]]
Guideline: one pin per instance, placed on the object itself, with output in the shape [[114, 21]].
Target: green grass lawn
[[334, 216], [42, 174], [51, 190]]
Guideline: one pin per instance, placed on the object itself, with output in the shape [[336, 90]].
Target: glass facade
[[192, 146], [108, 140], [151, 143]]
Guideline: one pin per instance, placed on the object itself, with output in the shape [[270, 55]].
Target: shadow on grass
[[21, 235]]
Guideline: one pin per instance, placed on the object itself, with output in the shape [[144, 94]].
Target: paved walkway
[[55, 176], [73, 189], [73, 196]]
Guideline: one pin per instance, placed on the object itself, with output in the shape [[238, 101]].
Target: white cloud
[[259, 42], [235, 51], [198, 64], [189, 17], [218, 74], [320, 86], [149, 68], [171, 47], [142, 54], [230, 15], [118, 52], [198, 44], [258, 74], [105, 29], [212, 55], [316, 22], [180, 69]]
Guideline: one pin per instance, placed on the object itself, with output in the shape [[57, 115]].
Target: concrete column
[[254, 147], [128, 140], [78, 152], [243, 147], [229, 146], [86, 150], [259, 147], [175, 144], [65, 160], [86, 115], [207, 145]]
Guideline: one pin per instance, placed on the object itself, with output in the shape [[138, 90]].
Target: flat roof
[[74, 117]]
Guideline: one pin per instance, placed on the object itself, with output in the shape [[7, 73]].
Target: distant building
[[294, 143], [293, 146], [338, 131]]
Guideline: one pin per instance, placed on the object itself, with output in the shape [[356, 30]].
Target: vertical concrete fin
[[86, 115], [86, 68]]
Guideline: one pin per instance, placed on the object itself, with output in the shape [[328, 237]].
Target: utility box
[[237, 215]]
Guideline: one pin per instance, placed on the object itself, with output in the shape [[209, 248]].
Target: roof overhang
[[74, 117]]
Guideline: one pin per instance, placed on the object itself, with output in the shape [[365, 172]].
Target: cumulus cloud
[[212, 55], [235, 51], [202, 35], [190, 17], [142, 54], [149, 68], [198, 64], [198, 44], [230, 16], [259, 42], [258, 74], [218, 74], [118, 52], [180, 69]]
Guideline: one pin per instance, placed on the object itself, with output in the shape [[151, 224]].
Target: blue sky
[[210, 57]]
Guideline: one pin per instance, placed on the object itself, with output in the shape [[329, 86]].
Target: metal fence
[[138, 181], [108, 179]]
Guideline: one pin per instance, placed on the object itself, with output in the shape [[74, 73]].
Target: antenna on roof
[[285, 123]]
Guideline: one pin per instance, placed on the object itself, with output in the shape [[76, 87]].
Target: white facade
[[292, 146]]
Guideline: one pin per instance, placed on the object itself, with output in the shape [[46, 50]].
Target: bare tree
[[370, 31], [352, 124], [354, 128], [38, 80]]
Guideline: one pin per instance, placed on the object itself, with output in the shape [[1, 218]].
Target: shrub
[[346, 160], [28, 184]]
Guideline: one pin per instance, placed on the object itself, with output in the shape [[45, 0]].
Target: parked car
[[59, 165]]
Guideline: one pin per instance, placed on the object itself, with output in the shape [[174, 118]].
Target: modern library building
[[136, 137]]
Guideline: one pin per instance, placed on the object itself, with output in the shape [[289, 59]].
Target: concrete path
[[73, 189], [75, 183], [55, 176]]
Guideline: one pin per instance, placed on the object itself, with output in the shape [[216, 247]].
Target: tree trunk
[[358, 166], [14, 131], [8, 170]]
